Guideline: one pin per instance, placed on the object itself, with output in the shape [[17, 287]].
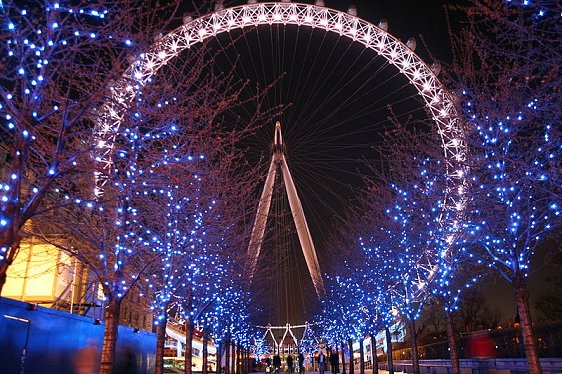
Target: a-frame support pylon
[[279, 162]]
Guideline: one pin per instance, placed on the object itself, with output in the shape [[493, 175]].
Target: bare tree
[[474, 313], [56, 64], [507, 68], [170, 144]]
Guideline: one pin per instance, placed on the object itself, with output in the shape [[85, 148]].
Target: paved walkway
[[367, 371]]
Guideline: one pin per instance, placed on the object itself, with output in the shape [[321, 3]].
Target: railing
[[61, 300], [508, 344], [86, 301], [476, 366]]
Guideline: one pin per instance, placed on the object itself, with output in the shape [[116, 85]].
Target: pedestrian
[[276, 363], [87, 359], [481, 346], [321, 362], [290, 363], [127, 364], [335, 361], [268, 365], [301, 362]]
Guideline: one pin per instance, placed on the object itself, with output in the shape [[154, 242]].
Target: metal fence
[[507, 344], [40, 340]]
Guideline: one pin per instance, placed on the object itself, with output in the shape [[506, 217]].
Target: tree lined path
[[129, 133]]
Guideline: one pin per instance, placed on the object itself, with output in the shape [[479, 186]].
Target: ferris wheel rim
[[438, 101]]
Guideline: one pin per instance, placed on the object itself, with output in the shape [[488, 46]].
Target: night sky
[[336, 97]]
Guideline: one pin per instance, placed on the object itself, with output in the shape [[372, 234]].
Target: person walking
[[321, 362], [276, 363], [87, 359], [335, 361], [300, 359], [290, 363]]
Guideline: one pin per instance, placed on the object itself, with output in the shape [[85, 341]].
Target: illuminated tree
[[507, 67], [57, 62], [337, 313], [377, 306], [406, 231], [259, 345], [197, 258], [229, 317], [186, 281], [308, 343], [171, 150]]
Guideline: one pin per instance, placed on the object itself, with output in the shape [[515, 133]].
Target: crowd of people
[[274, 364]]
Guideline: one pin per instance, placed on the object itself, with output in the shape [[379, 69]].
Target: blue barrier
[[42, 340]]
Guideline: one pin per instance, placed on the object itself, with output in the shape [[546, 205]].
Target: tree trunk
[[527, 332], [351, 366], [160, 340], [12, 244], [414, 345], [238, 360], [452, 340], [218, 368], [342, 357], [374, 358], [227, 357], [361, 357], [233, 358], [205, 352], [3, 274], [112, 311], [188, 346], [242, 361], [249, 362], [389, 351]]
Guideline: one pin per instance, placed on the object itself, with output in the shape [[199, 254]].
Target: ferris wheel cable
[[277, 52], [366, 109], [350, 130], [344, 80], [331, 191], [252, 59], [332, 142], [282, 50], [308, 180], [302, 65], [264, 77], [304, 85], [319, 84], [366, 112], [295, 44], [313, 154], [243, 75], [322, 202], [349, 100], [276, 64]]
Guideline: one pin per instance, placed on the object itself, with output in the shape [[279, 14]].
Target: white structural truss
[[438, 101], [288, 331], [279, 164]]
